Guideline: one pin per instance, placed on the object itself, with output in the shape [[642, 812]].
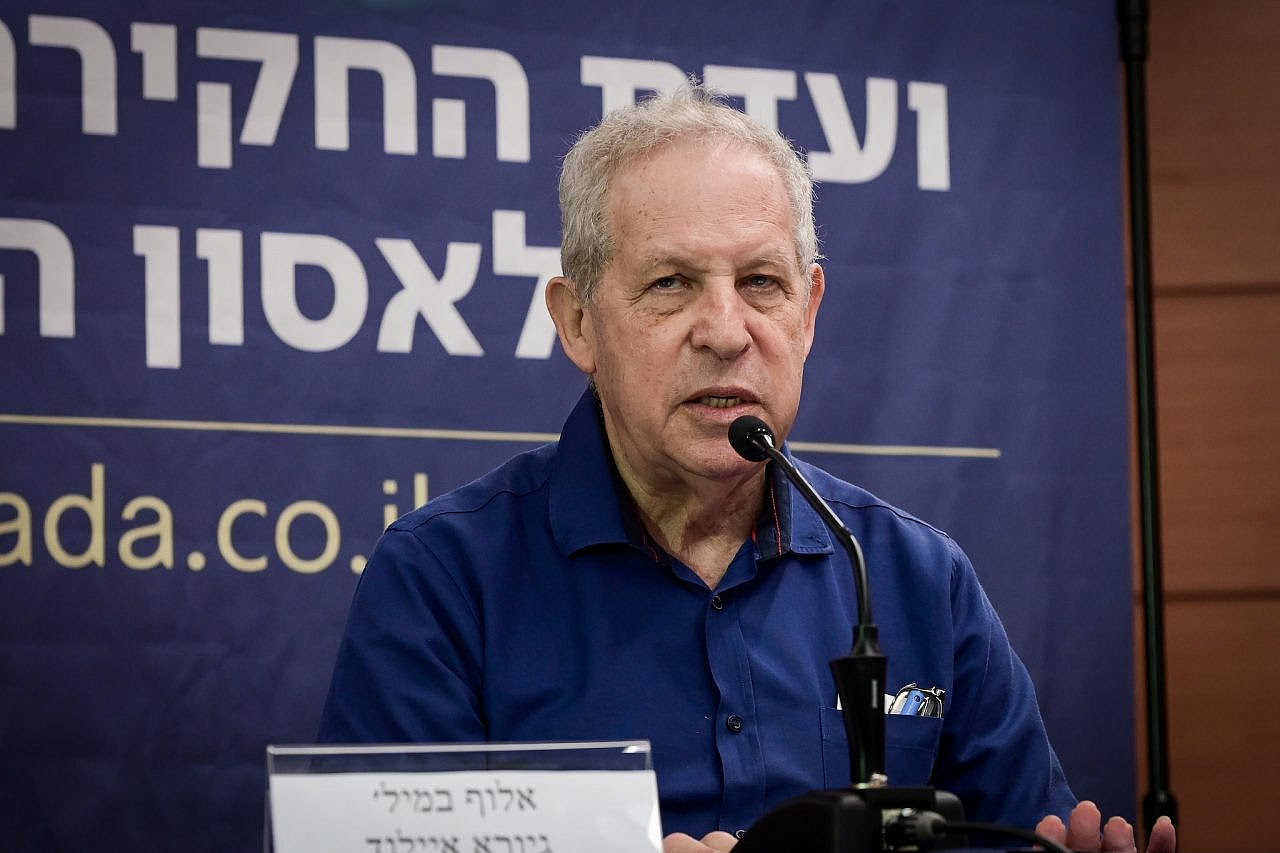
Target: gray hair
[[627, 134]]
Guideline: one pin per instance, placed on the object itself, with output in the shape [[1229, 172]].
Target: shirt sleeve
[[995, 753], [410, 663]]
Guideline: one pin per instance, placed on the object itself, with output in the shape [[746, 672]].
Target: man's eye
[[667, 283], [761, 281]]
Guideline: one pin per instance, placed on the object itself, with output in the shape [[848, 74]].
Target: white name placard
[[502, 811]]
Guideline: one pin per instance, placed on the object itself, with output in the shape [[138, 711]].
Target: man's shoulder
[[853, 497], [878, 520], [519, 479]]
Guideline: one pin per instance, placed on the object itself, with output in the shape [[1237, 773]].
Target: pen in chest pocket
[[916, 701]]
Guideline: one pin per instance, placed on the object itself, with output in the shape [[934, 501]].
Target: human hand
[[678, 842], [1086, 832]]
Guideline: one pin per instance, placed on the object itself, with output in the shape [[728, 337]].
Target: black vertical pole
[[1159, 799]]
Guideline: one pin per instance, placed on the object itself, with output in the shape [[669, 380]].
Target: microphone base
[[845, 820]]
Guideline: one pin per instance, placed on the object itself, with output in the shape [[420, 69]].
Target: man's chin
[[721, 464]]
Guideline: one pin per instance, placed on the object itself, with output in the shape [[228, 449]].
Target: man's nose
[[720, 324]]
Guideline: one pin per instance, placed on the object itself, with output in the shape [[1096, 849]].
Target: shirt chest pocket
[[911, 746]]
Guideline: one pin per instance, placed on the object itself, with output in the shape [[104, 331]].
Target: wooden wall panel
[[1214, 122], [1223, 738], [1218, 359], [1214, 93]]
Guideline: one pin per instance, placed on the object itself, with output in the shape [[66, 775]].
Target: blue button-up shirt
[[530, 605]]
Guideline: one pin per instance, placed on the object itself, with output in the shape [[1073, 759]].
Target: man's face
[[703, 315]]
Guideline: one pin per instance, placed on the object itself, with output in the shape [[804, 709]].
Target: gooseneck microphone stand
[[1159, 799], [854, 818], [869, 816], [860, 676]]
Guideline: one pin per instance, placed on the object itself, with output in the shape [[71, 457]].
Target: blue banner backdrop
[[271, 276]]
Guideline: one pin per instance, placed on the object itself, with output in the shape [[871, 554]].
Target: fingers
[[1085, 832], [678, 842], [719, 840], [714, 842], [1117, 836], [1052, 828], [1084, 827], [1162, 839]]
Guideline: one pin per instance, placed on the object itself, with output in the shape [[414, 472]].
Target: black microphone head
[[747, 434]]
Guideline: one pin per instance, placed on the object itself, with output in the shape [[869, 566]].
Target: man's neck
[[702, 523]]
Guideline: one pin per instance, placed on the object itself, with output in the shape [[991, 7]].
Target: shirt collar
[[588, 504]]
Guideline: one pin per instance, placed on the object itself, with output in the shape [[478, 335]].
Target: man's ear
[[573, 325], [817, 287]]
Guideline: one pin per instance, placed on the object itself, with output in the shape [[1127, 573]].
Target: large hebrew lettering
[[158, 46], [223, 249], [56, 277], [512, 256], [278, 54], [158, 245], [282, 254], [620, 80], [431, 298], [335, 59], [8, 80], [97, 66], [511, 96]]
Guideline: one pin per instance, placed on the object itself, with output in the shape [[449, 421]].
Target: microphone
[[750, 436], [870, 815]]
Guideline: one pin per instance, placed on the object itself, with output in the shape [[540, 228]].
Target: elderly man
[[640, 579]]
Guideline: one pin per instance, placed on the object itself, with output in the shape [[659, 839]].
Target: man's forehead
[[765, 257], [684, 150], [677, 190]]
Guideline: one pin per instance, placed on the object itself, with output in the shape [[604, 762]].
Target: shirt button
[[717, 602], [733, 723]]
